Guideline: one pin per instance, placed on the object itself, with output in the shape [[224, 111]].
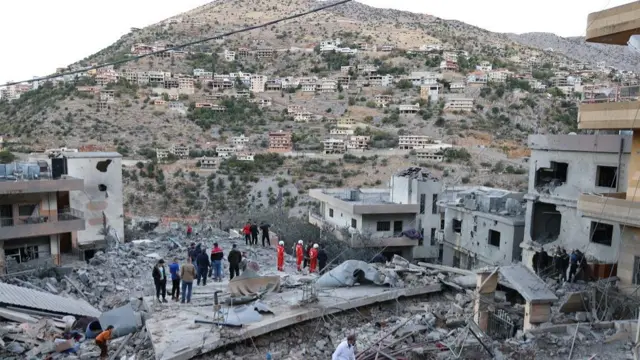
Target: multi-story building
[[446, 65], [484, 66], [179, 150], [245, 157], [458, 104], [239, 141], [162, 154], [614, 27], [334, 146], [561, 168], [409, 109], [264, 53], [430, 92], [418, 78], [328, 86], [394, 218], [302, 116], [482, 226], [358, 142], [309, 86], [341, 132], [258, 83], [226, 151], [280, 141], [383, 100], [410, 142], [229, 55], [430, 154], [208, 163]]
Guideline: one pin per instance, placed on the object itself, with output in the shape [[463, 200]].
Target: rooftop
[[363, 196], [497, 202], [416, 173], [580, 143], [91, 155]]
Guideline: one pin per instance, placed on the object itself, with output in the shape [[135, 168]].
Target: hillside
[[578, 49], [116, 110]]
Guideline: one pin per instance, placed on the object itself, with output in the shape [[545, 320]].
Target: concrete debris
[[399, 310]]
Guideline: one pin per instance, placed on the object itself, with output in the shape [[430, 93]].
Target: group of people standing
[[251, 231], [198, 268], [313, 256]]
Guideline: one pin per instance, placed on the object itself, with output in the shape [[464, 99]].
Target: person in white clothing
[[346, 350]]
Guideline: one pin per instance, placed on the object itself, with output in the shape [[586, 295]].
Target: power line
[[178, 47]]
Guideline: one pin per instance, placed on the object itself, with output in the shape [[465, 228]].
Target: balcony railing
[[66, 221], [614, 208]]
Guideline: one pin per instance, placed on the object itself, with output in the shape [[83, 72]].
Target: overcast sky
[[40, 35]]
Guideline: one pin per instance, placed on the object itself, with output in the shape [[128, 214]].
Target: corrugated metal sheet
[[19, 296]]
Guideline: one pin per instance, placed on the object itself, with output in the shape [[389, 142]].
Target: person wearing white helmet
[[281, 255], [313, 258], [299, 254]]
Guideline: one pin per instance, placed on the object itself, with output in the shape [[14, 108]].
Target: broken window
[[330, 212], [354, 223], [383, 226], [103, 165], [434, 204], [554, 175], [601, 233], [494, 238], [423, 203], [27, 210], [457, 226], [546, 223], [607, 176]]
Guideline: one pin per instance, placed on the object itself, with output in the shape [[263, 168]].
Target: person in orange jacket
[[313, 258], [299, 254], [246, 230], [281, 256], [102, 340]]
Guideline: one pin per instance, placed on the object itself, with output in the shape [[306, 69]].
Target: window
[[421, 240], [354, 223], [494, 238], [433, 236], [383, 226], [457, 226], [26, 210], [330, 212], [434, 204], [397, 227], [601, 233], [607, 176], [423, 203], [556, 173]]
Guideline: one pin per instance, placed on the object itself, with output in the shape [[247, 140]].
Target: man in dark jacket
[[203, 267], [159, 275], [193, 255], [254, 233], [322, 259], [265, 233], [234, 258]]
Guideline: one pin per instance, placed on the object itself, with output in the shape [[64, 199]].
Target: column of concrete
[[486, 284], [3, 262], [54, 245], [536, 313]]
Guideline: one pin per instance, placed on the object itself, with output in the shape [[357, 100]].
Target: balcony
[[614, 208], [609, 115], [67, 221], [23, 178], [614, 26]]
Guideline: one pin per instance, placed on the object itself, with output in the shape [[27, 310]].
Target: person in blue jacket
[[174, 270]]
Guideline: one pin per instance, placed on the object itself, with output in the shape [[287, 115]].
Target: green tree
[[6, 157]]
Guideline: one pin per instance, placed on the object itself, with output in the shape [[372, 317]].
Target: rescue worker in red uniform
[[299, 254], [281, 256], [313, 258]]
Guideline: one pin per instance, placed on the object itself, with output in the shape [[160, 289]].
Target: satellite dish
[[634, 43]]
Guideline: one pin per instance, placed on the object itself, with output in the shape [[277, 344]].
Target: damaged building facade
[[482, 226], [561, 168], [403, 217], [58, 205]]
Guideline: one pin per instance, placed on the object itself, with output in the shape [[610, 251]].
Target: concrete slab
[[175, 336]]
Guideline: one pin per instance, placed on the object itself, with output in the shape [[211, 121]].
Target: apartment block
[[328, 86], [226, 151], [447, 65], [561, 168], [229, 55], [180, 151], [482, 227], [264, 53], [430, 92], [208, 163], [358, 142], [458, 104], [302, 116], [410, 142], [383, 100], [614, 27], [334, 146], [273, 85], [239, 141], [245, 157], [280, 141], [309, 86], [430, 154], [341, 132], [409, 109], [162, 154], [262, 102], [258, 83], [393, 218]]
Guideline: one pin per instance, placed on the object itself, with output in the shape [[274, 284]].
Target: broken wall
[[575, 233], [478, 235], [102, 198]]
